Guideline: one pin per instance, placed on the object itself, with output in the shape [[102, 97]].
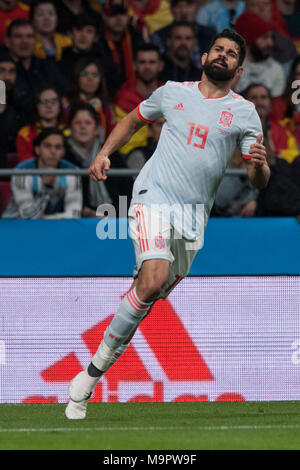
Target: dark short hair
[[18, 23], [256, 85], [83, 20], [83, 107], [45, 133], [235, 37], [178, 24], [147, 47]]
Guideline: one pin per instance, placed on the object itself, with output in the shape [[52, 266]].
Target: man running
[[172, 196]]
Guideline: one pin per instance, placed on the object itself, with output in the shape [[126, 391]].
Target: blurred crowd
[[73, 68]]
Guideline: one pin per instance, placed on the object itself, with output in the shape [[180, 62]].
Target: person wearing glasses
[[48, 112]]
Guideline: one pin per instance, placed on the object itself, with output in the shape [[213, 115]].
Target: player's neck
[[213, 90]]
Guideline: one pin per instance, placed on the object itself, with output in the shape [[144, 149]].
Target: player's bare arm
[[257, 167], [120, 135]]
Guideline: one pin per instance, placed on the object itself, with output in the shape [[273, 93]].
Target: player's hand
[[258, 152], [100, 165]]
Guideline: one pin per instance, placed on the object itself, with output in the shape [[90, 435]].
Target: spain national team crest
[[160, 241], [226, 119]]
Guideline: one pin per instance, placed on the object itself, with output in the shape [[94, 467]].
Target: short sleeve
[[151, 109], [248, 137]]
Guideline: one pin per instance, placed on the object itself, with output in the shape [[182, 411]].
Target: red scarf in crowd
[[127, 53]]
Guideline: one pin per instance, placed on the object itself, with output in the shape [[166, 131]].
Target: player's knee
[[150, 287]]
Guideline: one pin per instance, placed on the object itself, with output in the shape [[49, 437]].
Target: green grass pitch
[[153, 426]]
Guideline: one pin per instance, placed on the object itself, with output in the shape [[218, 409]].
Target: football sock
[[130, 313]]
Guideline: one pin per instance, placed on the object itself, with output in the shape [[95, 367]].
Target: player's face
[[147, 66], [83, 128], [83, 39], [260, 98], [8, 74], [222, 61], [51, 151]]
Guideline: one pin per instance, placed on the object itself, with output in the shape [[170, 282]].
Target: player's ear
[[203, 58], [237, 77]]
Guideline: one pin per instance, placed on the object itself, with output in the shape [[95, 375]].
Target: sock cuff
[[136, 303]]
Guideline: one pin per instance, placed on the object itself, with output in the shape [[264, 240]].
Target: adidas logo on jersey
[[179, 107]]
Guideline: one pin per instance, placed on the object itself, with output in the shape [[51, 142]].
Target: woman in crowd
[[84, 145], [48, 112], [88, 86], [49, 42]]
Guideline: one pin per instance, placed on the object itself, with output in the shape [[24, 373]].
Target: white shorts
[[155, 238]]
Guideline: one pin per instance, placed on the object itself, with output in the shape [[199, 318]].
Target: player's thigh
[[184, 253], [150, 232]]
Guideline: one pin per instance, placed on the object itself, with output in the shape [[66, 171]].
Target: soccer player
[[174, 192]]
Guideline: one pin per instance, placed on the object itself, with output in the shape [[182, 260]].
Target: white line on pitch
[[155, 428]]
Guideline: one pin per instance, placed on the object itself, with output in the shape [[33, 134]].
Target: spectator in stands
[[118, 44], [48, 42], [84, 144], [9, 118], [283, 135], [69, 10], [88, 85], [260, 96], [282, 195], [178, 64], [11, 10], [46, 197], [220, 14], [236, 196], [148, 65], [283, 50], [31, 71], [149, 15], [290, 11], [47, 112], [286, 106], [84, 38], [185, 10], [259, 66]]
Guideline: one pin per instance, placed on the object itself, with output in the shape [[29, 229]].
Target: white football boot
[[80, 390]]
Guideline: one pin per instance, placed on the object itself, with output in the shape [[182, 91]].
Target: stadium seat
[[5, 195]]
